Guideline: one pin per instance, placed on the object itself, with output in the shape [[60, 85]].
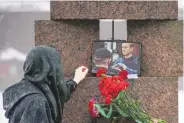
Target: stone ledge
[[114, 10], [158, 96]]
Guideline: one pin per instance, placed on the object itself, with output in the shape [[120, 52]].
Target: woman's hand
[[80, 74]]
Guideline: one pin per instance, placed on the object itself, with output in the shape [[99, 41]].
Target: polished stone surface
[[162, 46], [72, 39], [114, 10]]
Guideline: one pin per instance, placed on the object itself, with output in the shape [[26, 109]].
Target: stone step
[[162, 51], [158, 96], [114, 10]]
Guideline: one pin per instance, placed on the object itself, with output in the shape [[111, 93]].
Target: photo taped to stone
[[115, 56]]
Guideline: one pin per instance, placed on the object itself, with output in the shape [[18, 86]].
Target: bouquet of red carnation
[[111, 86], [91, 107], [116, 102]]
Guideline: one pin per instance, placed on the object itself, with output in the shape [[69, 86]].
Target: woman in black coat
[[40, 96]]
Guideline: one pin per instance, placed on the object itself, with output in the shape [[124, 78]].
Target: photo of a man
[[127, 59], [102, 59], [116, 56]]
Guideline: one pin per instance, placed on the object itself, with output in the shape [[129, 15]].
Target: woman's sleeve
[[70, 86]]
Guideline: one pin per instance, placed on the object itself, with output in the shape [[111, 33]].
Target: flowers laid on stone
[[92, 109], [114, 103]]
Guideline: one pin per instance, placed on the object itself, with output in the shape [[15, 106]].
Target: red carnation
[[123, 74], [110, 86], [108, 99], [115, 94], [122, 86], [101, 72], [92, 110], [115, 78], [126, 84], [83, 69]]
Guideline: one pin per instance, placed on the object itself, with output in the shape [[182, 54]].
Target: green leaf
[[138, 121], [119, 95], [161, 121], [102, 111], [120, 111]]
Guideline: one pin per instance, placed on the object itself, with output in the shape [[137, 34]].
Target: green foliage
[[127, 107], [102, 110]]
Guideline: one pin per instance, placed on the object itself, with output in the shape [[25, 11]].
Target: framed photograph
[[115, 56]]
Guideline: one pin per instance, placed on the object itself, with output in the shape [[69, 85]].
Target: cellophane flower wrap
[[113, 98]]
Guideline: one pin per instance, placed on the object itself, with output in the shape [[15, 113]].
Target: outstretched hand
[[80, 74]]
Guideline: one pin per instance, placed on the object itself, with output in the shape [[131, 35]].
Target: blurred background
[[17, 38]]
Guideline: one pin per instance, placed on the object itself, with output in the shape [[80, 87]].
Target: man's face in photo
[[127, 49]]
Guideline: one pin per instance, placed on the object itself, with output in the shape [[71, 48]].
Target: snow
[[12, 53]]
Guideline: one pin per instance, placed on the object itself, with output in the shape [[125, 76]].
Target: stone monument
[[73, 28]]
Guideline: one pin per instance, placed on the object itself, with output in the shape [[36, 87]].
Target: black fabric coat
[[40, 96]]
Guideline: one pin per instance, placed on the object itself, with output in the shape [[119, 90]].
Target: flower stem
[[115, 120]]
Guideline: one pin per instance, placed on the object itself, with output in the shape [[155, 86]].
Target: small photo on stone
[[115, 56]]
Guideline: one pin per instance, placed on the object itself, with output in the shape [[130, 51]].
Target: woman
[[40, 96]]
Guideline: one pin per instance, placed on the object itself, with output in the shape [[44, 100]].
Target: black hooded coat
[[40, 96]]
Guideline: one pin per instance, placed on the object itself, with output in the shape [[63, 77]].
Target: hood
[[43, 68], [15, 93]]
